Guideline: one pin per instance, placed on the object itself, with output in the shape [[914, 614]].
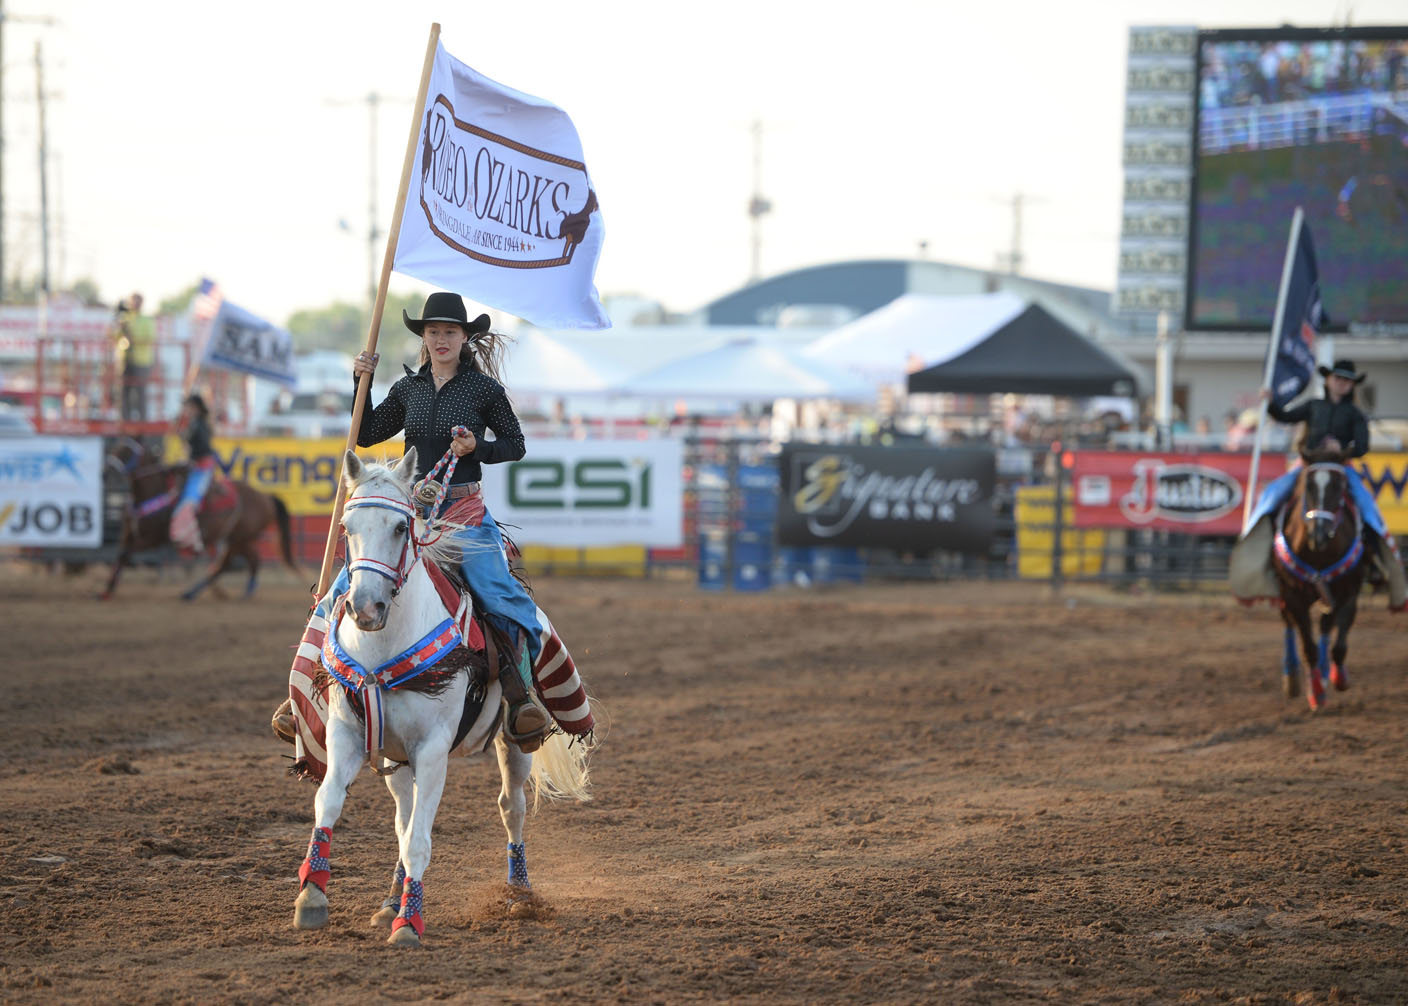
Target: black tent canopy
[[1033, 353]]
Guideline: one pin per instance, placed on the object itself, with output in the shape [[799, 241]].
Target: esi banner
[[906, 498], [583, 493], [51, 492]]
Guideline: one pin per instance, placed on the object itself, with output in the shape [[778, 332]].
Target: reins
[[1317, 577]]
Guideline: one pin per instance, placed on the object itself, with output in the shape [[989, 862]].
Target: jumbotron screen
[[1300, 117]]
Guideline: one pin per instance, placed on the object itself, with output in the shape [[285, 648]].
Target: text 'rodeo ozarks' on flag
[[500, 207]]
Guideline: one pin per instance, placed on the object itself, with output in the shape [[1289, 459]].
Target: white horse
[[391, 613]]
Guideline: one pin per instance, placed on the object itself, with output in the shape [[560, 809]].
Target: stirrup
[[532, 737], [283, 724]]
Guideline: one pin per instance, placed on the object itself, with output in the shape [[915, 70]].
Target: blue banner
[[246, 343], [1302, 319]]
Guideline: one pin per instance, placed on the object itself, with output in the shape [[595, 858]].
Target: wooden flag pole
[[364, 381]]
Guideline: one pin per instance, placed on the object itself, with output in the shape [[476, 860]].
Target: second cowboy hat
[[446, 307], [1342, 368]]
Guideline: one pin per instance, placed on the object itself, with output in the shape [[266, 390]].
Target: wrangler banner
[[912, 499], [1202, 493]]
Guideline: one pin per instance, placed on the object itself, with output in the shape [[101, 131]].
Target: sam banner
[[907, 498], [584, 493], [51, 491]]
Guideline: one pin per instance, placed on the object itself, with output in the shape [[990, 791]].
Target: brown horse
[[232, 517], [1319, 558]]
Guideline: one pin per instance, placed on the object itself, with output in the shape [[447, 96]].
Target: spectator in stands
[[134, 336]]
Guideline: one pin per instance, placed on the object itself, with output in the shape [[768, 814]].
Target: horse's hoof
[[404, 937], [1315, 694], [1338, 677], [386, 915], [1292, 686], [310, 911]]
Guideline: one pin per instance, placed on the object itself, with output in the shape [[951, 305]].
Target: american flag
[[206, 304]]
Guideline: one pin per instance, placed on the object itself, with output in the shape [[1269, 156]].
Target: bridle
[[1333, 516], [410, 545], [1297, 567]]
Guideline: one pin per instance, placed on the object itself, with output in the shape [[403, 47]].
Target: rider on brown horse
[[1334, 427], [194, 426]]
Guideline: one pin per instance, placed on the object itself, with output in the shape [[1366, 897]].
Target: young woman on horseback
[[1335, 427], [193, 425], [457, 387]]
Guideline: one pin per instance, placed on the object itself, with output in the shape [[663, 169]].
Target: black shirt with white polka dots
[[471, 398]]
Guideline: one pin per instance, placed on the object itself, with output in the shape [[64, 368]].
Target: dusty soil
[[941, 793]]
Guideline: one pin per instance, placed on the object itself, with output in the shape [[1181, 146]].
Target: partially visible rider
[[1336, 428], [193, 425]]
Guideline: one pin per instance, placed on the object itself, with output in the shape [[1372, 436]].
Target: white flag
[[500, 206]]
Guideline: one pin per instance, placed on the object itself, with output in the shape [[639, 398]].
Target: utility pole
[[758, 206], [4, 17], [1012, 260], [44, 287], [373, 101]]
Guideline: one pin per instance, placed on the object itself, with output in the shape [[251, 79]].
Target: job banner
[[1192, 493], [51, 491], [591, 492], [906, 498]]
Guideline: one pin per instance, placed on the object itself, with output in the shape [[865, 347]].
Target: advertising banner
[[910, 499], [1202, 493], [302, 473], [51, 491], [591, 492], [1192, 493]]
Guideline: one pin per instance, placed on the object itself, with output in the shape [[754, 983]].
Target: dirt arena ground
[[902, 794]]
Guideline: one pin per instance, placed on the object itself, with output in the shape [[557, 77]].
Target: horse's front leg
[[402, 786], [345, 754], [1290, 659], [429, 762], [514, 767], [1315, 694], [1344, 620]]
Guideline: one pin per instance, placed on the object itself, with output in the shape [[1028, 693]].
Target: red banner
[[1192, 493]]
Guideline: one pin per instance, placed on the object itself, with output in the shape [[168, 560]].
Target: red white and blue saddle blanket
[[555, 675]]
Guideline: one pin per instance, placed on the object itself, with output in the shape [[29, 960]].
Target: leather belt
[[459, 492]]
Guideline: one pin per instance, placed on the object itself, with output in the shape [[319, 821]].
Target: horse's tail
[[285, 532], [560, 770]]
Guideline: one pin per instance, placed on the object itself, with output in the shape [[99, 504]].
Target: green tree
[[343, 327]]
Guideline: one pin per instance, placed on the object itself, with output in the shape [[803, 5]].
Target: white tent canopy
[[745, 370], [538, 364], [912, 332]]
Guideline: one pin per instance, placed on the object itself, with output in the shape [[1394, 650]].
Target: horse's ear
[[352, 468], [405, 469]]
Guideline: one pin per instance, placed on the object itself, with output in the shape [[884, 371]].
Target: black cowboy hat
[[1342, 368], [446, 307]]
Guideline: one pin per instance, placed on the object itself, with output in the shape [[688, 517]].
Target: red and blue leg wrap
[[412, 896], [517, 865], [317, 865]]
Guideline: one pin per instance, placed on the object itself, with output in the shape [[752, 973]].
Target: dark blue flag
[[1302, 318]]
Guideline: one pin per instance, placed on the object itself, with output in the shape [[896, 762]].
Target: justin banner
[[501, 208]]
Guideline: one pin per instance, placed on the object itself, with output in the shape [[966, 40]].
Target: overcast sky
[[190, 139]]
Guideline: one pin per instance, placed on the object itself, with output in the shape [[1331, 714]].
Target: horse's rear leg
[[1344, 620], [429, 772], [402, 786], [310, 911], [219, 566], [1290, 660], [251, 555], [514, 767]]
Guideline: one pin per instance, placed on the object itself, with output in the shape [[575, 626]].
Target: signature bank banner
[[565, 492], [907, 498], [51, 491], [1203, 493]]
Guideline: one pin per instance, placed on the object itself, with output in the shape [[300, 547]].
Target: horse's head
[[1324, 495], [379, 520]]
